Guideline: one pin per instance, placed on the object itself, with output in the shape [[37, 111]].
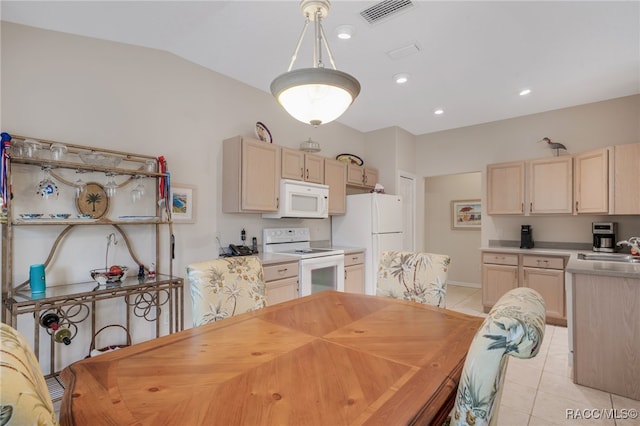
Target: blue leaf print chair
[[24, 397], [419, 277], [515, 326], [225, 287]]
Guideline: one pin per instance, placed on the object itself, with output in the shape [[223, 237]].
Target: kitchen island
[[604, 305]]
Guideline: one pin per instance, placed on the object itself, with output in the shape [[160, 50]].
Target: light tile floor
[[539, 391]]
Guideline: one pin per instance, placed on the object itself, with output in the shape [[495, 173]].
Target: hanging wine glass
[[47, 187], [138, 191], [80, 185], [111, 186]]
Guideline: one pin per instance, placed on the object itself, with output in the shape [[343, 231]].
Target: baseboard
[[461, 284]]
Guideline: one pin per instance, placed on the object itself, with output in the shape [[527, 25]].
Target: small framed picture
[[466, 214], [183, 203]]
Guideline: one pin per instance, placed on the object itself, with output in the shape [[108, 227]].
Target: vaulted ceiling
[[469, 58]]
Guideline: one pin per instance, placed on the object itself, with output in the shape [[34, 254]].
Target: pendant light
[[315, 95]]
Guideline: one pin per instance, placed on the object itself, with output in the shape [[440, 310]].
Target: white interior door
[[407, 189]]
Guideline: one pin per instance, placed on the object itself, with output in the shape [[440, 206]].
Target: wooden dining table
[[331, 358]]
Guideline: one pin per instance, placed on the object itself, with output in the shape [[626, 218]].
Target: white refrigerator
[[373, 222]]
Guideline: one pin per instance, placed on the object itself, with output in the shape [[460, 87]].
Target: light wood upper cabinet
[[505, 188], [626, 197], [370, 177], [362, 176], [251, 175], [301, 166], [335, 175], [591, 182], [551, 185]]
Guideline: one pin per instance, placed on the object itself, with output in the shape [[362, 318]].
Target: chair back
[[515, 326], [24, 397], [225, 287], [419, 277]]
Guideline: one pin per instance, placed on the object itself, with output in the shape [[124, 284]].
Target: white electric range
[[318, 268]]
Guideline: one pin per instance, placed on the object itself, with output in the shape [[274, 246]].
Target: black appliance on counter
[[604, 236], [526, 238]]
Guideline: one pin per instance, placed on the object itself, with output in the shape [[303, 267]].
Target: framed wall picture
[[183, 203], [466, 214]]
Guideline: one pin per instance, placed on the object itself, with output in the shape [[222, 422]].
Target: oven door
[[321, 273]]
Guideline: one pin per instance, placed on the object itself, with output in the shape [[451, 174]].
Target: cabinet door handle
[[277, 202], [307, 174], [301, 172], [531, 207], [576, 207], [354, 258], [282, 271], [522, 207], [345, 274]]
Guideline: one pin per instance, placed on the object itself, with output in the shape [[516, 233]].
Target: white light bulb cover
[[315, 95]]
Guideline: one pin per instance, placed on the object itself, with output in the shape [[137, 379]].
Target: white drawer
[[500, 258], [353, 258], [280, 271], [547, 262]]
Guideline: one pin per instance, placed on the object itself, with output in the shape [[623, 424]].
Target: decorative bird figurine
[[554, 145]]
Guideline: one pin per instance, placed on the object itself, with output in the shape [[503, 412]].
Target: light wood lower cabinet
[[606, 333], [502, 272], [281, 280], [354, 273], [499, 275], [545, 274]]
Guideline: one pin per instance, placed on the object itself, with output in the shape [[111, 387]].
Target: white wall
[[461, 245], [580, 128], [92, 92]]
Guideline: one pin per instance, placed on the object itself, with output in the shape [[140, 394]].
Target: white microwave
[[301, 200]]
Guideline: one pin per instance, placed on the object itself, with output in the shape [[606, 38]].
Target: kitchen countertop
[[274, 258], [575, 265], [534, 251]]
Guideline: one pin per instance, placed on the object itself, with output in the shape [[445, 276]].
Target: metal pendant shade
[[315, 95]]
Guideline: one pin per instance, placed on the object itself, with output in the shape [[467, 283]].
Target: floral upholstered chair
[[515, 326], [24, 397], [419, 277], [225, 287]]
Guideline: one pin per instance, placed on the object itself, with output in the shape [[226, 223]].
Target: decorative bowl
[[85, 216], [94, 159], [104, 276], [31, 215], [60, 215]]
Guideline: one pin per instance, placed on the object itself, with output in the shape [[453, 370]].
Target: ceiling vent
[[385, 9]]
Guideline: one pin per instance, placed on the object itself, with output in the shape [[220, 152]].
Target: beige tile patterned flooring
[[539, 391]]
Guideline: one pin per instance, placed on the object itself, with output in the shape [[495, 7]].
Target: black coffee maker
[[526, 238]]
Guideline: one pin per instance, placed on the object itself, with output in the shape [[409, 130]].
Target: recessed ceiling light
[[438, 111], [345, 32], [525, 92], [401, 78]]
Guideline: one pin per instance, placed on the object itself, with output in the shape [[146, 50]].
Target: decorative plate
[[350, 159], [263, 133], [31, 215], [93, 201]]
